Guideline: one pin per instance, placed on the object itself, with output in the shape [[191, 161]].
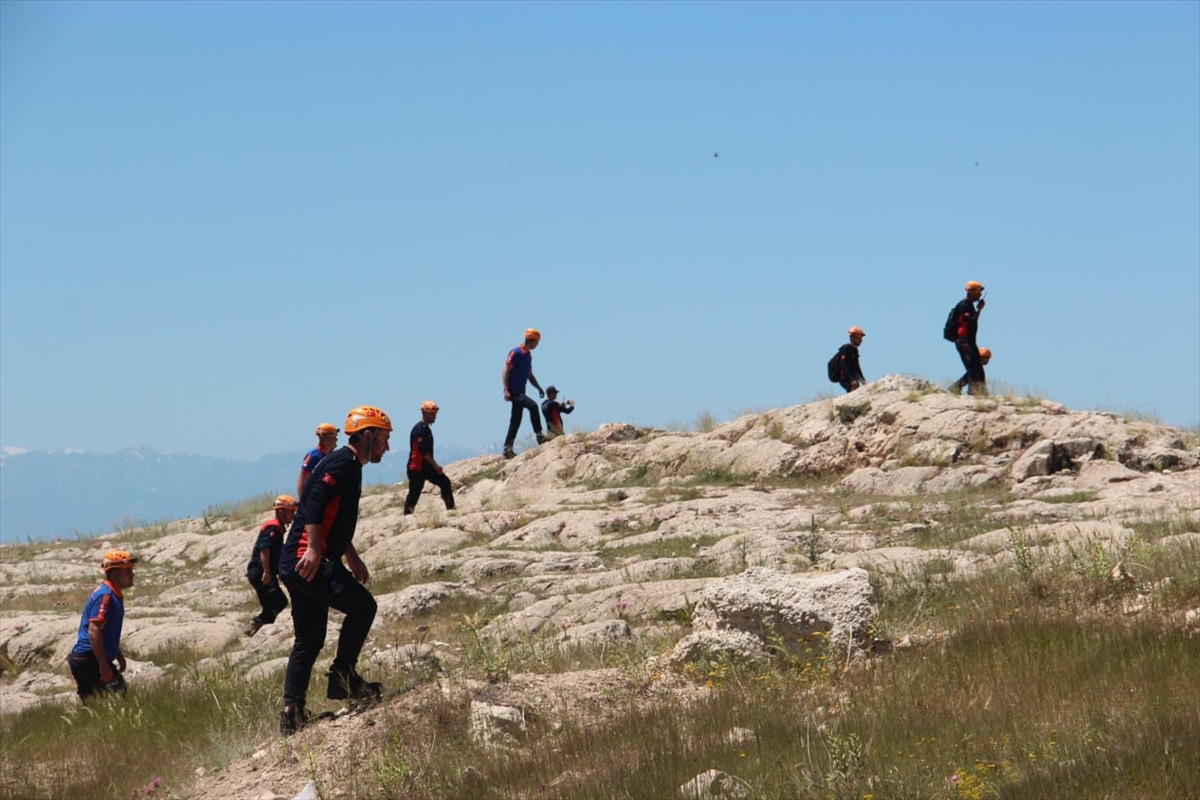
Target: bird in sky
[[717, 154]]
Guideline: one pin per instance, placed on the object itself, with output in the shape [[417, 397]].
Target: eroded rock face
[[790, 609]]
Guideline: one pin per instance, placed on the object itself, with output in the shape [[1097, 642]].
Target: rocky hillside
[[736, 540]]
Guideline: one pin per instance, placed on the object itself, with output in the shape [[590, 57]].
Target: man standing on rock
[[852, 377], [518, 369], [327, 436], [422, 466], [263, 569], [311, 568], [96, 661], [961, 328]]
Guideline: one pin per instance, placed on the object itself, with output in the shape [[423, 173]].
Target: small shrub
[[848, 413]]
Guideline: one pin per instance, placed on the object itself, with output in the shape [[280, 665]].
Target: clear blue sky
[[222, 223]]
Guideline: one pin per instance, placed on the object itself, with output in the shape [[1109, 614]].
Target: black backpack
[[835, 367], [950, 329]]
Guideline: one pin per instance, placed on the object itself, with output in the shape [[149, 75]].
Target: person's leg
[[310, 619], [416, 485], [264, 599], [357, 603], [276, 602], [964, 354], [534, 416], [846, 385], [975, 375], [442, 481], [514, 422], [86, 671]]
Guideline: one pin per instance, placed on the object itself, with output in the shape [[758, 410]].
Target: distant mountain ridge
[[61, 493]]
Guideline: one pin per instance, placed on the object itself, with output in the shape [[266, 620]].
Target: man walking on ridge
[[327, 436], [311, 568], [422, 466], [961, 328], [518, 369], [98, 645], [847, 355], [263, 569]]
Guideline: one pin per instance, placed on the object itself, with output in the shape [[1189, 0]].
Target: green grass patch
[[1073, 497]]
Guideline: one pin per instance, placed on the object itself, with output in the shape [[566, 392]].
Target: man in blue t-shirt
[[96, 661], [327, 438], [518, 369]]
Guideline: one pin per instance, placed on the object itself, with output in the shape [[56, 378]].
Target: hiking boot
[[408, 511], [542, 438], [252, 627], [509, 453], [956, 388], [350, 685], [292, 719]]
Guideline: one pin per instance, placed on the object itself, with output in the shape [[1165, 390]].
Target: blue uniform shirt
[[520, 363], [106, 608]]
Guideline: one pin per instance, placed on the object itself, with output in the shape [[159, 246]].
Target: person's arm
[[265, 557], [96, 640], [504, 377], [357, 568], [300, 481], [536, 385], [568, 407]]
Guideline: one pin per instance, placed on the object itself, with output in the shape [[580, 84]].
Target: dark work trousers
[[86, 670], [416, 485], [974, 379], [520, 402], [846, 383], [332, 587], [272, 598]]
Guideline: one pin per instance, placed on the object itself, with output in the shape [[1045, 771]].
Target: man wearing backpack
[[844, 368], [961, 327]]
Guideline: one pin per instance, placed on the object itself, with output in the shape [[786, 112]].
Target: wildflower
[[954, 778]]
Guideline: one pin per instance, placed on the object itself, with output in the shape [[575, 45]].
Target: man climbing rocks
[[553, 411], [847, 355], [422, 466], [518, 369], [263, 569], [312, 570], [961, 328], [327, 438], [96, 661]]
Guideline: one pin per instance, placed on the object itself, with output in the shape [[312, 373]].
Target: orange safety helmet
[[285, 502], [326, 428], [429, 405], [533, 334], [973, 285], [855, 330], [362, 417], [117, 559]]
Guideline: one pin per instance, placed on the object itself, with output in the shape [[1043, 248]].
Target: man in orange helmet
[[961, 328], [327, 438], [311, 568], [263, 569], [518, 369], [96, 661], [422, 466], [847, 356]]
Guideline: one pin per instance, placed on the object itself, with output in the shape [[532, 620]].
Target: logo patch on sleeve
[[328, 479]]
